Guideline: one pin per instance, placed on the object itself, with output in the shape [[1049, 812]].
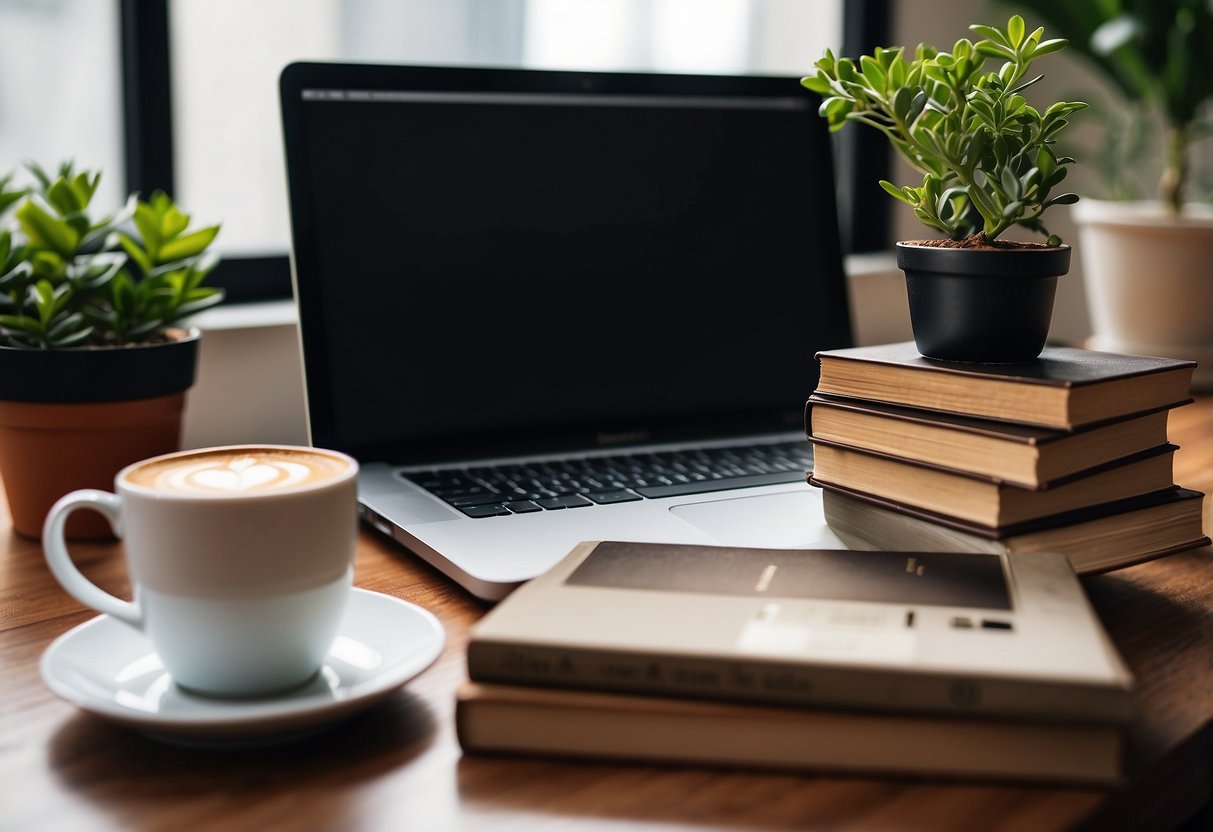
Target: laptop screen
[[496, 261]]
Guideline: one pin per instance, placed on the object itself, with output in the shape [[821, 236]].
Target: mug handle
[[60, 562]]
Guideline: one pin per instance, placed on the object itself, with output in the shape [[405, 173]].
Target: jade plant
[[987, 156], [69, 280]]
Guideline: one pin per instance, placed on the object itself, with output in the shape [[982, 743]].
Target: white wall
[[250, 379]]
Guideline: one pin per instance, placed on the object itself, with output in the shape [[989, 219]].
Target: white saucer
[[108, 669]]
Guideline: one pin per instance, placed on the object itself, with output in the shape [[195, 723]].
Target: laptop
[[542, 307]]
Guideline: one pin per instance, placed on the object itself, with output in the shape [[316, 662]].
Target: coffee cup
[[240, 560]]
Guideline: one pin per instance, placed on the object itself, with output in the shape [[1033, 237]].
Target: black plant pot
[[991, 306], [99, 374]]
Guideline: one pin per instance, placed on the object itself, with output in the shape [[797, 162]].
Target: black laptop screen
[[496, 267]]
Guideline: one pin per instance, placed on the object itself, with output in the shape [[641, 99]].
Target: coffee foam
[[237, 471]]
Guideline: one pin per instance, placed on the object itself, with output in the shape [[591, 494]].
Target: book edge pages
[[507, 718]]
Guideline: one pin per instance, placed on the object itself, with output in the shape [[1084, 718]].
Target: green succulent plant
[[68, 280], [987, 156]]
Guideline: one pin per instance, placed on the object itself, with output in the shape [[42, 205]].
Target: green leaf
[[1026, 84], [100, 271], [65, 325], [73, 338], [874, 73], [898, 71], [189, 245], [86, 185], [149, 228], [65, 199], [902, 99], [835, 111], [46, 230], [1064, 199], [47, 264], [948, 201], [21, 322], [964, 68], [1015, 31], [42, 298], [172, 223], [1048, 47], [984, 110], [816, 83], [897, 193], [131, 246], [991, 33], [196, 306], [145, 329], [9, 198], [122, 293]]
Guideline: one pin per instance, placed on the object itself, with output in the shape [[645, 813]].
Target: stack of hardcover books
[[1068, 453], [966, 665]]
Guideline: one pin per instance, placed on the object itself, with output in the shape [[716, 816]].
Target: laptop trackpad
[[789, 520]]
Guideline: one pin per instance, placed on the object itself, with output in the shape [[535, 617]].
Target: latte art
[[236, 472], [244, 474]]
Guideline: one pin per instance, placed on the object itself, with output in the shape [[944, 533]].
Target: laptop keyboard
[[602, 480]]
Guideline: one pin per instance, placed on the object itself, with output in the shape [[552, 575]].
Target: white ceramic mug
[[240, 559]]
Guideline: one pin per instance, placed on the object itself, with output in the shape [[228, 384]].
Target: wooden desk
[[398, 766]]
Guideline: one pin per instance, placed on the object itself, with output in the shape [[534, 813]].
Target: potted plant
[[93, 364], [1146, 261], [988, 162]]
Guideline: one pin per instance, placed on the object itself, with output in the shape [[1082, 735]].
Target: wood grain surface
[[398, 765]]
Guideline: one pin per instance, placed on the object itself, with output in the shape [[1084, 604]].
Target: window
[[60, 88]]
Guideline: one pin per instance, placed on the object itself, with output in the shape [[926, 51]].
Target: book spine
[[787, 684], [791, 740]]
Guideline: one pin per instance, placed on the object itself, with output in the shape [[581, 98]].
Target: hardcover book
[[984, 500], [1064, 388], [589, 724], [1096, 539], [974, 634], [1022, 455]]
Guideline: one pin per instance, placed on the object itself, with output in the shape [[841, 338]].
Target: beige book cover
[[959, 633]]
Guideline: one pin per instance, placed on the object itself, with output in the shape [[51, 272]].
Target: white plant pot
[[1149, 280]]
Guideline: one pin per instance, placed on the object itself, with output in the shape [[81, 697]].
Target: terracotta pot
[[981, 305], [73, 418], [1149, 280]]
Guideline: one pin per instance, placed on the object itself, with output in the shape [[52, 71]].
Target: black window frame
[[147, 119]]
